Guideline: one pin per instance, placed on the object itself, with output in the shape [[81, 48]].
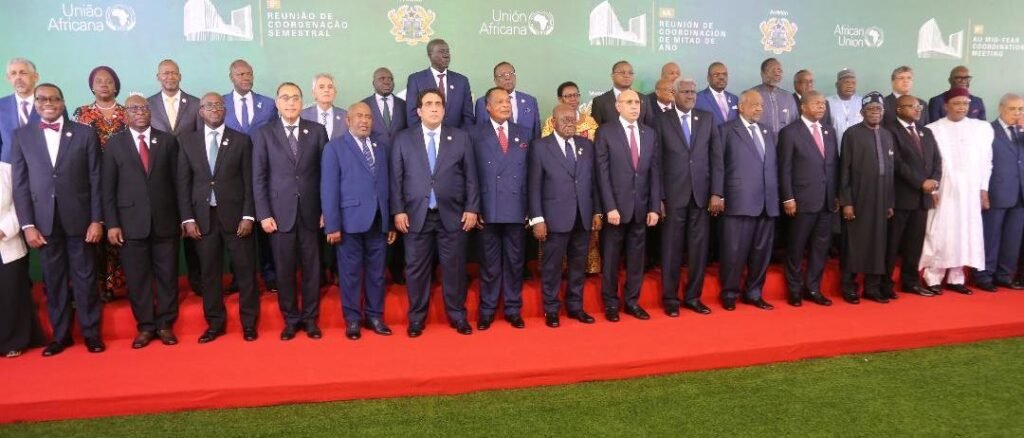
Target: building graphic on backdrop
[[204, 23], [606, 30], [411, 24], [931, 45]]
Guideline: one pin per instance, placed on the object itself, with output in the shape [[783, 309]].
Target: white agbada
[[955, 236]]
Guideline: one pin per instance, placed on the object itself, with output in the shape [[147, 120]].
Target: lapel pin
[[153, 141], [68, 134], [890, 152], [337, 117], [825, 132], [523, 145], [305, 131], [523, 101], [764, 131], [734, 107], [373, 144], [696, 118], [516, 139], [183, 100], [449, 138], [259, 105], [785, 110], [451, 87], [920, 134], [579, 152]]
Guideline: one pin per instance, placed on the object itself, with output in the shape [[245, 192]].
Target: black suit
[[145, 207], [603, 108], [691, 172], [908, 224], [217, 200]]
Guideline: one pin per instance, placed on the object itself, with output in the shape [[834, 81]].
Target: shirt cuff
[[789, 200], [186, 221], [249, 218], [536, 220], [25, 227]]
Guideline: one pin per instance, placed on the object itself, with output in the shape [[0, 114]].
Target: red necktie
[[440, 86], [503, 139], [53, 126], [917, 139], [144, 153], [818, 140], [634, 149]]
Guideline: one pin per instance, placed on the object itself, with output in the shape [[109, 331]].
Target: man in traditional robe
[[955, 237], [866, 195]]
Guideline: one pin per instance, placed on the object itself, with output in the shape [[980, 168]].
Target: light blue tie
[[214, 147], [686, 131], [757, 140], [245, 116], [432, 160]]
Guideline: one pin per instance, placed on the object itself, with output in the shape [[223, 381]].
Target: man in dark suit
[[1004, 220], [453, 86], [55, 169], [660, 101], [691, 153], [435, 198], [714, 99], [525, 112], [501, 149], [140, 206], [354, 198], [959, 77], [217, 212], [286, 189], [751, 202], [564, 206], [603, 108], [902, 81], [918, 172], [808, 178], [803, 82], [17, 109], [629, 177]]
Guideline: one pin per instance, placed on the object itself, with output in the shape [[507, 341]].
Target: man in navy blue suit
[[751, 201], [454, 88], [435, 199], [808, 181], [525, 112], [564, 207], [714, 99], [691, 155], [629, 177], [17, 109], [55, 168], [501, 148], [286, 189], [1004, 220], [354, 197], [959, 77]]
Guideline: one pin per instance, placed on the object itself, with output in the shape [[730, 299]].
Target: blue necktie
[[293, 142], [570, 154], [214, 146], [686, 130], [757, 140], [432, 160], [245, 116], [366, 154]]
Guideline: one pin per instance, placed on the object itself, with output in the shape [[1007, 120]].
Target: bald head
[[664, 91], [360, 120], [670, 71], [628, 105], [564, 119], [751, 105]]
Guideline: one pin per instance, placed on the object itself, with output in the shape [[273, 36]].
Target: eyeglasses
[[137, 108], [506, 75], [289, 97], [915, 107], [46, 100], [571, 96], [685, 92], [213, 106], [962, 78], [624, 72]]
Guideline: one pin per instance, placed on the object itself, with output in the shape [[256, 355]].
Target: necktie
[[213, 148], [23, 120], [757, 140], [570, 154], [722, 105], [917, 139], [667, 108], [387, 112], [503, 140], [1015, 135], [323, 118], [440, 86], [686, 130], [366, 154], [818, 140], [293, 141], [53, 126], [432, 160], [245, 116], [172, 111], [144, 153], [634, 148]]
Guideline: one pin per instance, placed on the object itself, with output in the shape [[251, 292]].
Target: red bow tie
[[53, 126]]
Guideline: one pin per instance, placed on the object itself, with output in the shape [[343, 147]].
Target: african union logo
[[411, 24], [778, 34], [120, 18], [541, 23]]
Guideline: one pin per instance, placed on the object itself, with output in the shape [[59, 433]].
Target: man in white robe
[[955, 235]]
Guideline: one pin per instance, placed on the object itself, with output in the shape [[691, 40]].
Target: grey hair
[[1007, 98], [31, 65], [318, 76], [683, 79]]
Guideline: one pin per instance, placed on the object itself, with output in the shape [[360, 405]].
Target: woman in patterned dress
[[586, 126], [107, 117]]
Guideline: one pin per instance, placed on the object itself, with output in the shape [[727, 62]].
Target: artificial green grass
[[971, 390]]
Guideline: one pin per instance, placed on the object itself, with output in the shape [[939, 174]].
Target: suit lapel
[[809, 140], [356, 149], [421, 151], [282, 139], [444, 146], [65, 143], [748, 139], [558, 154], [223, 148], [38, 138]]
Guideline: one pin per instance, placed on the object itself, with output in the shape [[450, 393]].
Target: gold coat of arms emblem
[[411, 24], [778, 35]]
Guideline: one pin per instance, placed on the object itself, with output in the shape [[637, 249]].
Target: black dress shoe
[[760, 303], [271, 286], [53, 349], [698, 307], [250, 334], [398, 279], [462, 327], [378, 326], [958, 288], [1011, 285], [888, 293], [484, 323], [582, 316], [987, 287], [794, 300], [352, 330], [551, 320], [313, 331], [516, 321], [288, 333], [671, 310], [167, 337], [143, 339], [851, 298], [876, 297], [638, 313], [95, 345], [924, 292], [729, 305], [611, 315], [817, 298], [210, 335], [414, 330]]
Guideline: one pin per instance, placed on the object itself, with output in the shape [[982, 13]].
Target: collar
[[561, 141], [175, 96], [436, 131], [617, 92], [896, 95], [148, 133], [680, 113], [495, 125], [717, 92], [378, 97], [31, 101], [358, 141], [237, 96], [1004, 125], [747, 125], [329, 110], [435, 72], [809, 123], [219, 130], [905, 124], [59, 122], [286, 124], [625, 124]]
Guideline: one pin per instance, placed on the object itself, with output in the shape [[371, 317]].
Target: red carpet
[[233, 373]]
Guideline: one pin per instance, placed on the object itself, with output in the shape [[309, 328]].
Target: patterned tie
[[757, 140], [213, 148], [23, 120], [722, 105], [818, 140], [440, 86], [432, 160], [53, 126], [365, 146], [387, 112], [917, 138], [245, 115], [293, 141], [686, 130], [503, 140], [323, 118], [172, 113], [144, 152], [634, 148]]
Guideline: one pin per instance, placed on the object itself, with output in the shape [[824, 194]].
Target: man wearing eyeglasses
[[525, 112], [215, 198], [902, 84], [959, 77], [603, 108], [141, 210]]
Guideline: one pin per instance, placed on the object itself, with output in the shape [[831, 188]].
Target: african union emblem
[[778, 34], [411, 24]]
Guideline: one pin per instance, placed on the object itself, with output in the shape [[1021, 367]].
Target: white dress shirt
[[438, 85], [237, 98], [504, 127], [437, 140], [636, 131], [146, 137], [171, 111], [390, 99], [53, 140], [515, 106]]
